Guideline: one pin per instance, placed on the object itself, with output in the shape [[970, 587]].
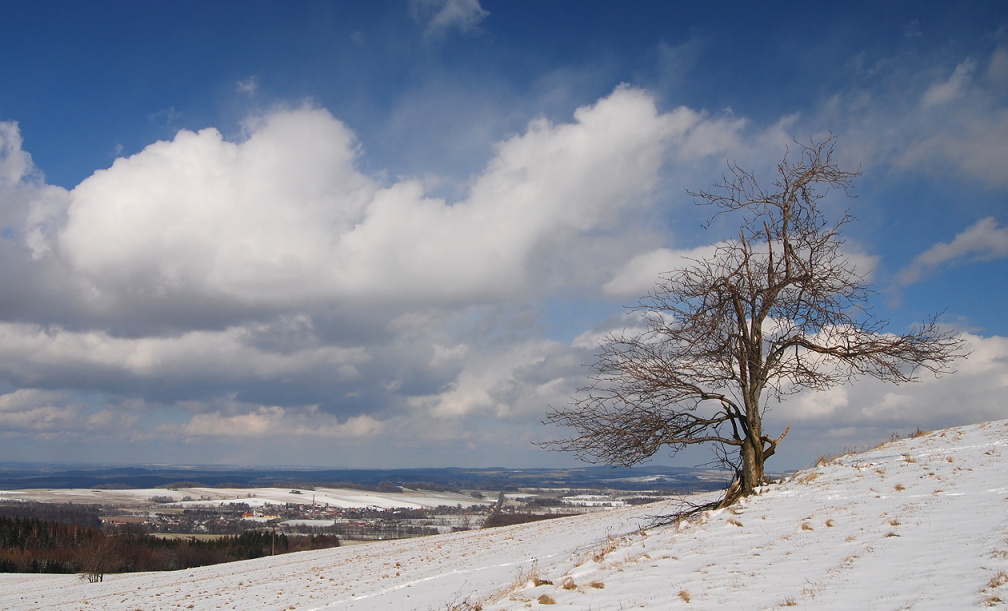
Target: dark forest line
[[32, 545]]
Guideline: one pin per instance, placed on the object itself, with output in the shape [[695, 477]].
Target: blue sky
[[391, 233]]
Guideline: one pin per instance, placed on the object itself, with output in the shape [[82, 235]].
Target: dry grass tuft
[[735, 522], [684, 595], [598, 585], [546, 599], [604, 549], [568, 584], [806, 526], [465, 604], [829, 523], [789, 602], [899, 487], [808, 478], [998, 580]]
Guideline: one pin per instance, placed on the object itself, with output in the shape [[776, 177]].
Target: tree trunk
[[751, 474]]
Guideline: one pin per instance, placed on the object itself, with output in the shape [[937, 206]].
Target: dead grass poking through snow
[[998, 580], [808, 478], [463, 604], [604, 549], [684, 595]]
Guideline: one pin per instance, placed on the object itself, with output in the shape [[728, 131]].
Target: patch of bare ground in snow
[[916, 523]]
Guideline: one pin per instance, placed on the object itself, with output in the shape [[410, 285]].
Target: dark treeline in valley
[[32, 545]]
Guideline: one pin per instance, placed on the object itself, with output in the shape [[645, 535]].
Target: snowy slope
[[915, 524]]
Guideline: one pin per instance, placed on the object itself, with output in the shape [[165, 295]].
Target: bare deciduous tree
[[775, 311]]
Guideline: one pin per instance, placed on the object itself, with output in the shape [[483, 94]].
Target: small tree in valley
[[776, 310]]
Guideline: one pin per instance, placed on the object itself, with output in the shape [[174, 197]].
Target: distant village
[[202, 517]]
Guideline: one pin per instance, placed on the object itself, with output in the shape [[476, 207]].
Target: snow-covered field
[[253, 497], [916, 524]]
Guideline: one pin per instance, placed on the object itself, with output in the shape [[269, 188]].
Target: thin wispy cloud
[[442, 16], [983, 241], [248, 86]]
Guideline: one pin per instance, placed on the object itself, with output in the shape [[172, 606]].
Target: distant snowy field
[[253, 497], [915, 524]]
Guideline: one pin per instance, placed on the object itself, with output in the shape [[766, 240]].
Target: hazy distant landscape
[[917, 523], [644, 477], [53, 518]]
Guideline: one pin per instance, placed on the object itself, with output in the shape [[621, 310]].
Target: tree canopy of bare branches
[[777, 310]]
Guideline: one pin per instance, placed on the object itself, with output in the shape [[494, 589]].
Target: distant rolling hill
[[15, 476]]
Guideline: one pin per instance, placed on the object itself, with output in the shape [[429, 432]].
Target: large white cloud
[[254, 221], [284, 218], [32, 354]]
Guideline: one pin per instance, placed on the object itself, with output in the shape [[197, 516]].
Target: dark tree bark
[[777, 310]]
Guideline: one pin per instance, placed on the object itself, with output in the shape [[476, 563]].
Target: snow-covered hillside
[[915, 524]]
